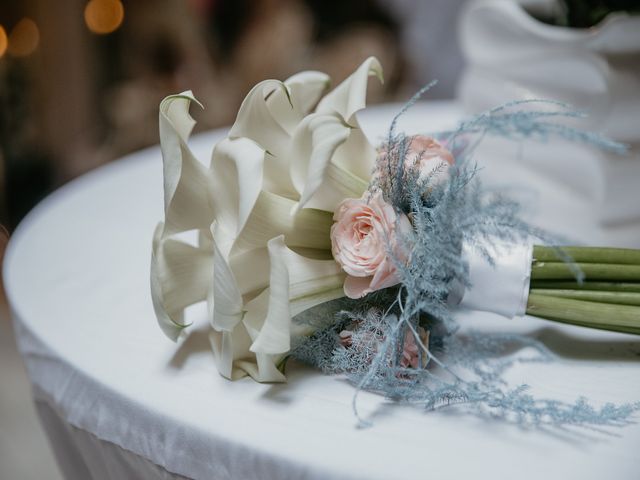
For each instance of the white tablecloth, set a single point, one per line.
(118, 400)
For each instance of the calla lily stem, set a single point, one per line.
(608, 298)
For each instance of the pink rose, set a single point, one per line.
(427, 155)
(361, 237)
(430, 158)
(411, 350)
(411, 356)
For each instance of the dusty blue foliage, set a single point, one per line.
(461, 369)
(453, 367)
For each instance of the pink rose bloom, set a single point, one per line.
(345, 338)
(427, 155)
(411, 350)
(361, 237)
(411, 356)
(430, 158)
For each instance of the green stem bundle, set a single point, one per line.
(608, 298)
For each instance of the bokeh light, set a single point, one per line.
(103, 16)
(3, 41)
(24, 38)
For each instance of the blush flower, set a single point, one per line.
(431, 159)
(365, 340)
(362, 238)
(411, 357)
(425, 155)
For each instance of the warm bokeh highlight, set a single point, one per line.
(3, 41)
(104, 16)
(24, 38)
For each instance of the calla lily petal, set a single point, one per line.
(356, 156)
(273, 215)
(186, 181)
(338, 183)
(180, 276)
(234, 359)
(321, 181)
(304, 91)
(264, 369)
(313, 144)
(274, 336)
(227, 298)
(229, 348)
(293, 277)
(251, 270)
(350, 96)
(256, 122)
(236, 167)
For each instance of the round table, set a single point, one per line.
(119, 400)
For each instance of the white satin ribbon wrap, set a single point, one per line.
(502, 288)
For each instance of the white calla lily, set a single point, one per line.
(186, 180)
(263, 211)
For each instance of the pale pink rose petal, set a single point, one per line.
(357, 287)
(362, 237)
(346, 338)
(429, 157)
(428, 148)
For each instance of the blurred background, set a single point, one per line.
(81, 81)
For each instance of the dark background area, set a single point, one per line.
(81, 80)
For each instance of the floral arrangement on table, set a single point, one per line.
(315, 245)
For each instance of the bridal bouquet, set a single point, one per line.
(315, 244)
